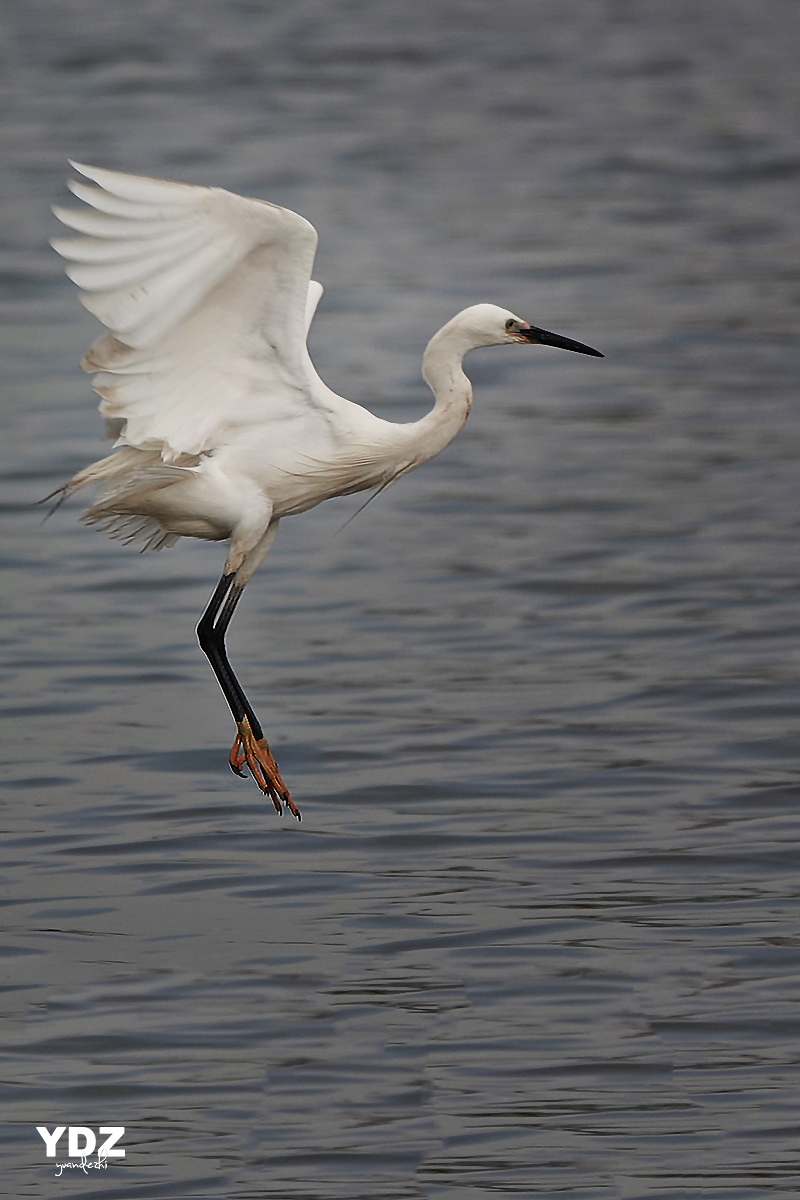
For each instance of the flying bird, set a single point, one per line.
(222, 426)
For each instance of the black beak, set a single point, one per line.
(541, 337)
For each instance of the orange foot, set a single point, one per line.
(254, 752)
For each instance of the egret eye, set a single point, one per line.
(510, 323)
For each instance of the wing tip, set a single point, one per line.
(63, 215)
(140, 189)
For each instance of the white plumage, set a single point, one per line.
(222, 424)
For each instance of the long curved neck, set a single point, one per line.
(452, 391)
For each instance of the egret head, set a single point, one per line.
(489, 325)
(521, 331)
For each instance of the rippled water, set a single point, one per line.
(538, 933)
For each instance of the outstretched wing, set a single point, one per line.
(206, 296)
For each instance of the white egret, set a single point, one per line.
(221, 422)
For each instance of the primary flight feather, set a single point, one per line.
(222, 424)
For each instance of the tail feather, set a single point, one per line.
(130, 527)
(126, 478)
(115, 466)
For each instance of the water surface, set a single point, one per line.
(537, 934)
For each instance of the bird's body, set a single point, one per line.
(222, 424)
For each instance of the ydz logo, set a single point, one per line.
(82, 1141)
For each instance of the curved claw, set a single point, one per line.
(255, 753)
(236, 758)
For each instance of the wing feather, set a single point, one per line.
(139, 188)
(151, 259)
(149, 223)
(107, 203)
(205, 295)
(116, 249)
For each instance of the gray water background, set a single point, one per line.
(538, 933)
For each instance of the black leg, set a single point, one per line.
(211, 636)
(250, 746)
